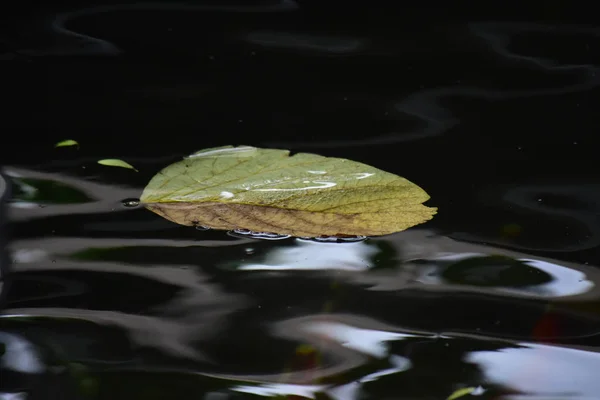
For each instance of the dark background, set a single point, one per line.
(491, 107)
(135, 81)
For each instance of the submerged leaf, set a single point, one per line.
(66, 143)
(112, 162)
(266, 190)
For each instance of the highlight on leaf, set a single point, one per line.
(267, 190)
(67, 143)
(113, 162)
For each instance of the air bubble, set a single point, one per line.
(325, 239)
(337, 239)
(246, 233)
(357, 238)
(130, 202)
(196, 224)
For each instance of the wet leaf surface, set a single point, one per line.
(266, 190)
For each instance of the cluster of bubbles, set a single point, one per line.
(246, 233)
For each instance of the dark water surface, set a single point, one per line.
(495, 117)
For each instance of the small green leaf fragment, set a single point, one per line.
(113, 162)
(460, 393)
(66, 143)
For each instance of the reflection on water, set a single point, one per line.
(526, 277)
(4, 258)
(309, 255)
(430, 109)
(306, 42)
(93, 305)
(67, 41)
(568, 213)
(542, 365)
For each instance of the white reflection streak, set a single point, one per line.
(565, 282)
(13, 396)
(20, 355)
(541, 369)
(345, 392)
(239, 151)
(277, 389)
(399, 364)
(324, 184)
(363, 175)
(24, 205)
(318, 256)
(350, 390)
(366, 341)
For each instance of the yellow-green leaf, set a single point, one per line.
(267, 190)
(66, 143)
(113, 162)
(460, 393)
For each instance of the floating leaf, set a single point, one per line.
(113, 162)
(66, 143)
(461, 392)
(267, 190)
